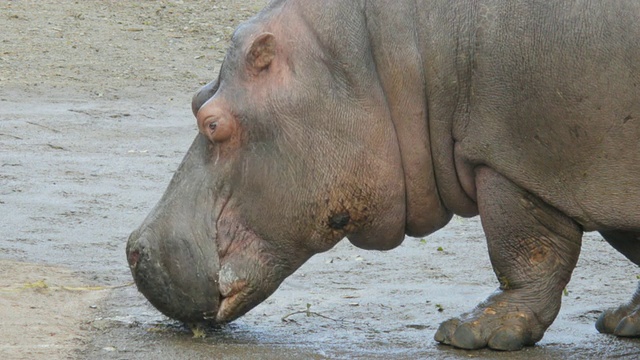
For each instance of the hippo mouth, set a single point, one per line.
(241, 285)
(231, 299)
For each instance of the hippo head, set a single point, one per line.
(295, 151)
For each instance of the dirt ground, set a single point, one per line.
(95, 117)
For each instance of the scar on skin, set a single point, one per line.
(539, 255)
(489, 311)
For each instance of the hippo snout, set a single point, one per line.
(175, 276)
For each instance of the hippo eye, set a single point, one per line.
(213, 125)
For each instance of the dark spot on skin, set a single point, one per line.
(629, 117)
(339, 221)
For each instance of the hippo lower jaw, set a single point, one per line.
(243, 284)
(232, 291)
(231, 301)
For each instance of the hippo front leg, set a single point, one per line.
(533, 249)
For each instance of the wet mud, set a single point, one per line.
(88, 143)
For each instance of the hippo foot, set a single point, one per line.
(623, 321)
(498, 323)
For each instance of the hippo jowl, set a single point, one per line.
(373, 120)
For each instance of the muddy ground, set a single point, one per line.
(95, 117)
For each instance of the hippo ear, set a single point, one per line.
(261, 52)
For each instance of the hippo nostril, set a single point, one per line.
(133, 258)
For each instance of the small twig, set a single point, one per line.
(95, 288)
(56, 147)
(41, 284)
(11, 136)
(43, 126)
(308, 312)
(81, 112)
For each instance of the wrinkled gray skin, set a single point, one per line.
(375, 119)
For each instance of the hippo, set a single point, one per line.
(373, 120)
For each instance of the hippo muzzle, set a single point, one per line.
(173, 255)
(192, 258)
(176, 275)
(190, 279)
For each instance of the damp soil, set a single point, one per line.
(95, 117)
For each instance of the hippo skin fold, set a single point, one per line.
(375, 119)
